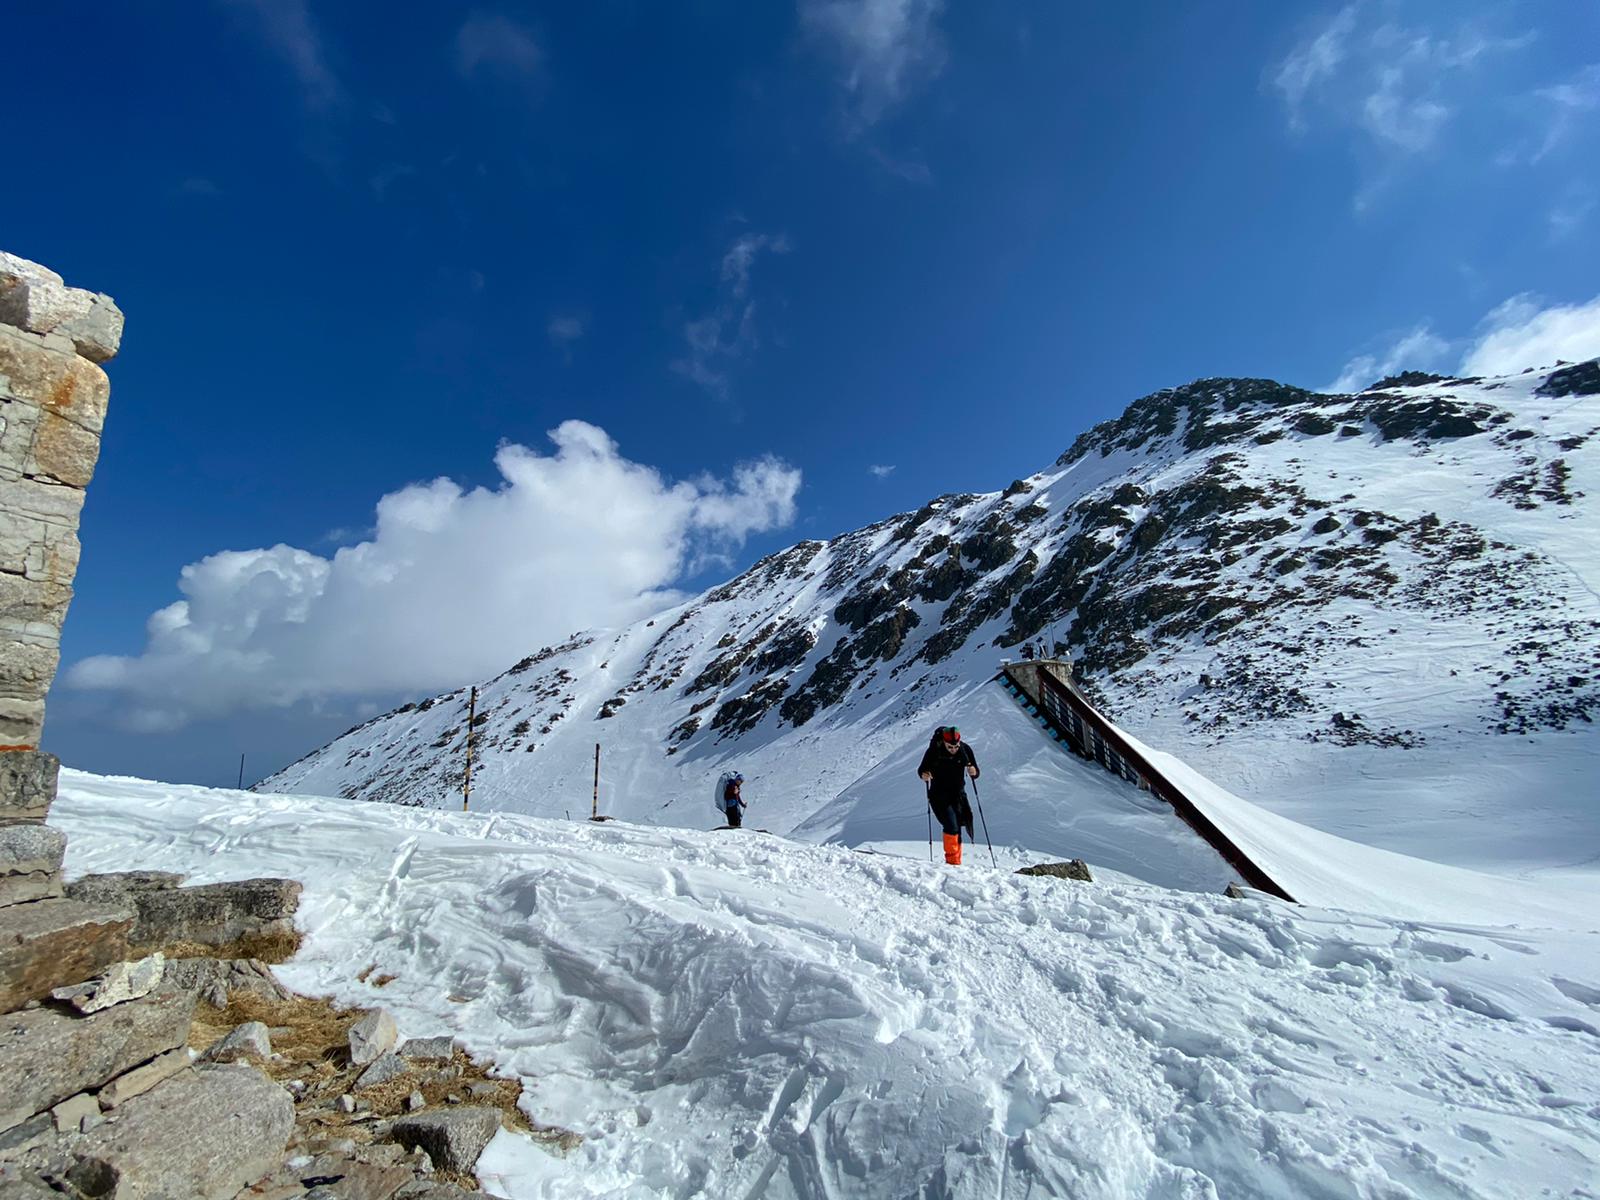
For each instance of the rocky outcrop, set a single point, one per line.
(242, 915)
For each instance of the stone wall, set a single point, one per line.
(53, 396)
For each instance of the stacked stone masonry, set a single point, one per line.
(101, 1094)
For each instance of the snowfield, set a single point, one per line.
(741, 1015)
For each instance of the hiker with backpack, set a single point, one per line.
(731, 802)
(945, 768)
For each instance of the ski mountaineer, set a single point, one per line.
(945, 768)
(733, 803)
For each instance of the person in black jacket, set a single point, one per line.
(945, 768)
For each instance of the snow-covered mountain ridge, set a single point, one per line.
(1377, 613)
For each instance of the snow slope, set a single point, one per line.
(1377, 614)
(744, 1016)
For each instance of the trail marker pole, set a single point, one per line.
(594, 814)
(981, 817)
(472, 722)
(241, 772)
(930, 822)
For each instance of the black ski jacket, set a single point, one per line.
(949, 771)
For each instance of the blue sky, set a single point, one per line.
(774, 270)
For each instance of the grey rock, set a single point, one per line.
(121, 982)
(345, 1103)
(141, 1079)
(429, 1189)
(372, 1036)
(50, 943)
(119, 887)
(97, 333)
(202, 1135)
(69, 1114)
(34, 1131)
(27, 784)
(1075, 869)
(479, 1089)
(213, 914)
(214, 980)
(352, 1179)
(30, 862)
(27, 1188)
(241, 1044)
(453, 1138)
(431, 1049)
(50, 1055)
(390, 1066)
(415, 1101)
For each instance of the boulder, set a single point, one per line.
(1074, 869)
(217, 914)
(51, 1055)
(30, 862)
(121, 981)
(27, 784)
(432, 1049)
(382, 1070)
(373, 1036)
(202, 1135)
(242, 1043)
(141, 1079)
(453, 1138)
(215, 979)
(49, 943)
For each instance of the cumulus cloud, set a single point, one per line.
(727, 333)
(883, 47)
(1419, 350)
(492, 40)
(453, 584)
(1523, 332)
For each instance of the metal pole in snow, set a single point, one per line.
(241, 772)
(594, 813)
(472, 720)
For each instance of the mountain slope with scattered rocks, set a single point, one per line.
(1377, 613)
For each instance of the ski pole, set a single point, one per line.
(930, 822)
(985, 823)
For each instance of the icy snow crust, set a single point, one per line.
(1420, 676)
(742, 1015)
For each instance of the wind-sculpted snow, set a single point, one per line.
(739, 1015)
(1379, 614)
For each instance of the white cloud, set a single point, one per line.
(451, 585)
(564, 329)
(1313, 62)
(1401, 89)
(1570, 213)
(496, 41)
(882, 472)
(728, 332)
(741, 256)
(885, 47)
(288, 27)
(1524, 333)
(1419, 350)
(1568, 104)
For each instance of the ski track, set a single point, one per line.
(747, 1016)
